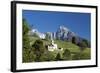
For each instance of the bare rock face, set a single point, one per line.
(36, 32)
(62, 33)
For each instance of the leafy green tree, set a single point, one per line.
(26, 42)
(28, 54)
(67, 55)
(25, 27)
(39, 49)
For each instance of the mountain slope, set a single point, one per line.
(62, 33)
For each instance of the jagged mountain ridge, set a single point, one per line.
(62, 33)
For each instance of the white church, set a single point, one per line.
(52, 46)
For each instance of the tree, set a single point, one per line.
(39, 49)
(66, 54)
(82, 45)
(50, 56)
(26, 42)
(86, 42)
(47, 56)
(73, 40)
(28, 54)
(25, 27)
(58, 57)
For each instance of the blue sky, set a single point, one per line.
(49, 21)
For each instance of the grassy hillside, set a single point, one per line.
(76, 53)
(68, 45)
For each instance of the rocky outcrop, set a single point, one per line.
(62, 33)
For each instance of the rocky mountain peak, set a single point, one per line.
(62, 33)
(63, 28)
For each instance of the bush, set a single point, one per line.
(39, 49)
(87, 43)
(28, 55)
(82, 45)
(25, 27)
(26, 42)
(48, 56)
(66, 54)
(58, 57)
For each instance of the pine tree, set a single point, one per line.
(73, 40)
(66, 54)
(58, 57)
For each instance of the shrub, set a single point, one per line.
(66, 54)
(28, 55)
(39, 49)
(50, 56)
(25, 27)
(26, 42)
(86, 42)
(58, 57)
(47, 56)
(82, 45)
